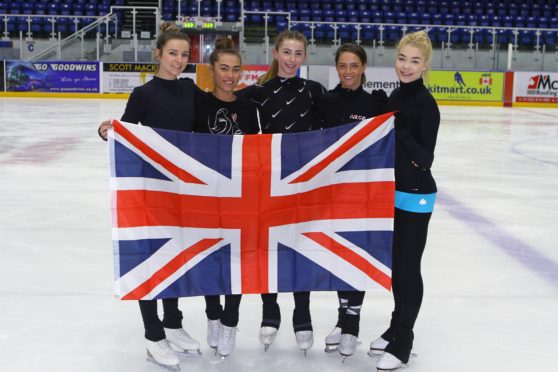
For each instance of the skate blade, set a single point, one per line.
(169, 368)
(331, 348)
(392, 369)
(186, 352)
(375, 352)
(266, 346)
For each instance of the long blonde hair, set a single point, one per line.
(421, 41)
(274, 68)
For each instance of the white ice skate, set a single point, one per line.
(332, 340)
(213, 329)
(267, 336)
(304, 340)
(180, 341)
(348, 345)
(377, 347)
(227, 341)
(389, 362)
(161, 354)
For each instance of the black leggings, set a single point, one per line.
(301, 314)
(348, 319)
(409, 240)
(154, 328)
(228, 315)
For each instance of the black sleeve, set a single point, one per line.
(421, 150)
(249, 92)
(135, 107)
(380, 96)
(318, 114)
(317, 90)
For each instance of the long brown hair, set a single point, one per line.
(358, 51)
(274, 68)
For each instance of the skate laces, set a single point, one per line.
(228, 332)
(214, 326)
(163, 346)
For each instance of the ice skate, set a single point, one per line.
(304, 340)
(332, 340)
(389, 362)
(161, 354)
(267, 336)
(377, 347)
(213, 329)
(348, 345)
(227, 341)
(182, 342)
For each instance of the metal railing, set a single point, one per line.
(79, 33)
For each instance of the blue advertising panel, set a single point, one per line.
(55, 77)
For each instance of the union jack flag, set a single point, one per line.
(201, 214)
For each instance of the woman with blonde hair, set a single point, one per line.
(416, 130)
(286, 104)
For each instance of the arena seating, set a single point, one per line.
(531, 14)
(91, 8)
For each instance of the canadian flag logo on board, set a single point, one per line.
(534, 82)
(485, 79)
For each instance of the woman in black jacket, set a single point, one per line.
(164, 102)
(348, 102)
(416, 131)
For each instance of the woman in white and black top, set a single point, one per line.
(286, 104)
(222, 112)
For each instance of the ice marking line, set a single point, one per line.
(522, 252)
(538, 112)
(515, 150)
(42, 152)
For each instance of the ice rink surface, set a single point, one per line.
(490, 266)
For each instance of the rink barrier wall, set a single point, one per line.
(76, 79)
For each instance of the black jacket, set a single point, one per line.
(416, 130)
(342, 106)
(160, 103)
(286, 105)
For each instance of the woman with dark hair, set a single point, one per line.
(164, 102)
(348, 102)
(222, 112)
(286, 103)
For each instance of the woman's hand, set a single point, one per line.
(103, 129)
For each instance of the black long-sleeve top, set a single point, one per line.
(342, 106)
(160, 103)
(286, 105)
(219, 117)
(416, 134)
